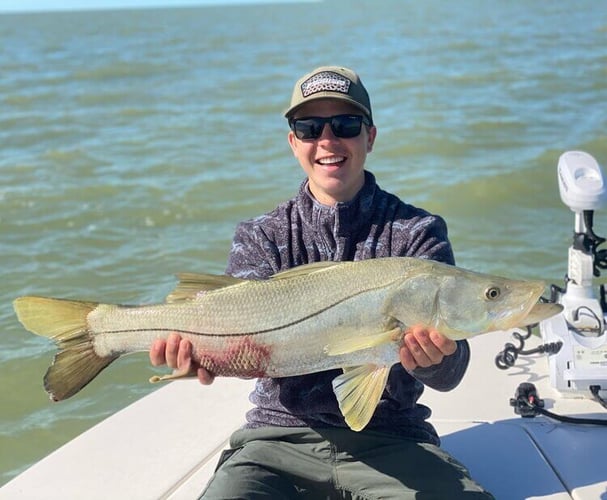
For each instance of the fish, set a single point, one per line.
(311, 318)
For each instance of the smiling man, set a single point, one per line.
(333, 157)
(295, 442)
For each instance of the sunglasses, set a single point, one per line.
(343, 126)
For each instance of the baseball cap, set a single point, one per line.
(335, 82)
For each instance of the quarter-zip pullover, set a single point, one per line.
(301, 231)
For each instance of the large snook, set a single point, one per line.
(312, 318)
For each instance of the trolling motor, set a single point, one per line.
(580, 365)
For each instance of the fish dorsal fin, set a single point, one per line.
(358, 391)
(191, 284)
(303, 270)
(352, 344)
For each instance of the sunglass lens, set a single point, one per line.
(346, 126)
(309, 128)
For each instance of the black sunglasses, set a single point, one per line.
(344, 126)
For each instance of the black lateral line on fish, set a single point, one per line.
(242, 334)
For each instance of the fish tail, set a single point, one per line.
(64, 321)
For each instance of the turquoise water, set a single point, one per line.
(134, 141)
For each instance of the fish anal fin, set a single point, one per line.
(358, 391)
(358, 343)
(192, 284)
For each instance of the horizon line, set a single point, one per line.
(142, 6)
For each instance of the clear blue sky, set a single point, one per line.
(38, 5)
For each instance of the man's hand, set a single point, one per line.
(176, 353)
(423, 347)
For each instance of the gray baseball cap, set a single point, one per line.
(334, 82)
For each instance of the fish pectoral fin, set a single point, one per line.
(358, 391)
(352, 344)
(192, 284)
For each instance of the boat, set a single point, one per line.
(529, 419)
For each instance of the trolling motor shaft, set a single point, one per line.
(582, 189)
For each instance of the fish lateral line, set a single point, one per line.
(241, 334)
(179, 330)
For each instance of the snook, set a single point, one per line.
(311, 318)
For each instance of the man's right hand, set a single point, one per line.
(176, 353)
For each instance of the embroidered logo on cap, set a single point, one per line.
(323, 81)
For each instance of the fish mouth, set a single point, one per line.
(539, 312)
(513, 317)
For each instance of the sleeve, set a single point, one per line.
(252, 255)
(449, 373)
(427, 237)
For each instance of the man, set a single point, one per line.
(295, 443)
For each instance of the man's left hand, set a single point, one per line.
(423, 347)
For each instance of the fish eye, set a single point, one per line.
(492, 293)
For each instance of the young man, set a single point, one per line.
(296, 443)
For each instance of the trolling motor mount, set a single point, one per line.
(581, 363)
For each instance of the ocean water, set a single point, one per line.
(132, 142)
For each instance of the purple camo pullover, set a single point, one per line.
(374, 224)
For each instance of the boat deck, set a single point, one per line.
(165, 445)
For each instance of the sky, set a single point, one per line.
(46, 5)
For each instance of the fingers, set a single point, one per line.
(423, 347)
(165, 352)
(176, 353)
(157, 357)
(204, 376)
(181, 352)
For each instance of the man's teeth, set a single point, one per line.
(331, 160)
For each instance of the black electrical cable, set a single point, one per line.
(564, 418)
(507, 357)
(528, 404)
(595, 389)
(589, 312)
(591, 242)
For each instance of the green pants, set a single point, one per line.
(284, 463)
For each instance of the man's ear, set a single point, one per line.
(372, 133)
(292, 141)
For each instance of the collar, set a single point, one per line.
(344, 217)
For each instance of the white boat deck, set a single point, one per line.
(165, 445)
